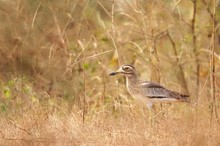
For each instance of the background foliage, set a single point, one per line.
(56, 56)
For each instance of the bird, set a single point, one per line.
(148, 91)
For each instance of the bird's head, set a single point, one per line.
(126, 70)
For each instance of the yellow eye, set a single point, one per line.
(126, 68)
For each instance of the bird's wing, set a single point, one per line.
(155, 90)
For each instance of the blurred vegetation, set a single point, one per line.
(58, 54)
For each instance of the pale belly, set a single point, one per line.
(141, 98)
(153, 100)
(162, 100)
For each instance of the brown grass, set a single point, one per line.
(129, 125)
(56, 55)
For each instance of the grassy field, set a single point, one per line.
(55, 60)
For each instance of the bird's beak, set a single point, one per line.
(113, 73)
(116, 72)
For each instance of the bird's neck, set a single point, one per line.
(132, 81)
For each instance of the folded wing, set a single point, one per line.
(155, 90)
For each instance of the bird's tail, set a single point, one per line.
(182, 97)
(185, 98)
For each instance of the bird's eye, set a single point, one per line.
(125, 68)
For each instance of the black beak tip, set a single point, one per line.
(112, 74)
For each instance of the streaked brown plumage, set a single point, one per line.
(148, 91)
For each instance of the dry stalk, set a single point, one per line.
(113, 32)
(84, 80)
(176, 6)
(195, 49)
(35, 15)
(150, 45)
(183, 80)
(84, 88)
(212, 68)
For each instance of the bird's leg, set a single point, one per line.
(150, 105)
(152, 110)
(162, 111)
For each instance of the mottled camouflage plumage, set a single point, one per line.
(148, 91)
(155, 90)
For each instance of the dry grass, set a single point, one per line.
(179, 125)
(56, 55)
